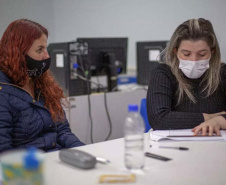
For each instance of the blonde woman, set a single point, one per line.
(188, 90)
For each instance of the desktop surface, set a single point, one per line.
(203, 164)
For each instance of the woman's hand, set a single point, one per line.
(211, 126)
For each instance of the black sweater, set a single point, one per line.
(162, 99)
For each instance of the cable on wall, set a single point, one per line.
(89, 102)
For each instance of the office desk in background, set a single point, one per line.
(117, 103)
(203, 164)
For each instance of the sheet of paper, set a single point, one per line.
(59, 60)
(154, 54)
(160, 135)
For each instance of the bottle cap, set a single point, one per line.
(133, 108)
(75, 65)
(30, 160)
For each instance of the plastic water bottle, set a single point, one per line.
(134, 139)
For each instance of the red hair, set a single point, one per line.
(14, 45)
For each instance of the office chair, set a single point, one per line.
(143, 112)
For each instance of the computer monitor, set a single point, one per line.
(107, 56)
(148, 57)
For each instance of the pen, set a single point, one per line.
(173, 147)
(102, 160)
(159, 157)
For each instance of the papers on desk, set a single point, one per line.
(184, 135)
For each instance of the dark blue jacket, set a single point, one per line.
(25, 122)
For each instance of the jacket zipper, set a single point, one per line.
(21, 89)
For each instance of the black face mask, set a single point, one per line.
(37, 67)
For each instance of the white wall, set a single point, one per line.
(40, 11)
(139, 20)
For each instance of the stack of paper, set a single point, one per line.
(184, 135)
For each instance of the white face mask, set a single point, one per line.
(194, 69)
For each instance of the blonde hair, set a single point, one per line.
(194, 29)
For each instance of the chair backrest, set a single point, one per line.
(143, 112)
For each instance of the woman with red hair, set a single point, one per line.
(31, 112)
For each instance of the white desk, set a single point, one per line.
(203, 164)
